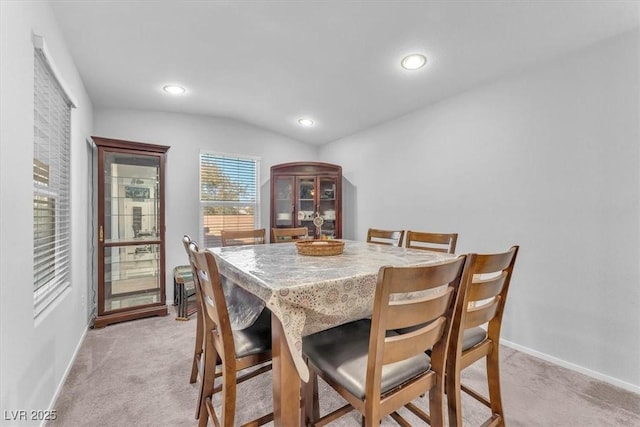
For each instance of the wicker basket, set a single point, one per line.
(320, 247)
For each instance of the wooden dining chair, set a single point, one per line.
(438, 242)
(236, 350)
(243, 237)
(378, 370)
(283, 235)
(197, 365)
(197, 353)
(483, 294)
(385, 237)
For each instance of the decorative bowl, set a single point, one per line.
(320, 247)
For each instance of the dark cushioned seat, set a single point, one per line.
(347, 364)
(256, 338)
(472, 337)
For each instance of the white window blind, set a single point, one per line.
(229, 195)
(51, 182)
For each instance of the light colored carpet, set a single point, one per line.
(137, 374)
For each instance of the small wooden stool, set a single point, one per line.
(183, 289)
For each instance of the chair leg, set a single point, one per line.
(203, 420)
(436, 403)
(364, 422)
(194, 368)
(454, 399)
(202, 412)
(207, 383)
(493, 379)
(371, 416)
(228, 394)
(310, 403)
(197, 352)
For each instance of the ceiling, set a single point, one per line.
(269, 63)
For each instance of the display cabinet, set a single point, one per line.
(307, 194)
(130, 231)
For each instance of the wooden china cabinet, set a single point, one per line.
(130, 230)
(302, 192)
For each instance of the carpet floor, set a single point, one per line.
(137, 374)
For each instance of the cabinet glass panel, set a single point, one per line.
(284, 202)
(131, 276)
(131, 198)
(327, 206)
(306, 202)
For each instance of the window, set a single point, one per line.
(229, 195)
(51, 183)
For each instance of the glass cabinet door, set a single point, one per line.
(327, 206)
(284, 205)
(306, 203)
(131, 224)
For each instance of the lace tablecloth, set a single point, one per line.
(309, 294)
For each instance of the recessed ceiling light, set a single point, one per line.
(174, 89)
(306, 122)
(413, 61)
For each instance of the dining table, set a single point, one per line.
(308, 294)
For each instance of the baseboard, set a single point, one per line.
(588, 372)
(52, 405)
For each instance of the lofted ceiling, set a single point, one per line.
(269, 63)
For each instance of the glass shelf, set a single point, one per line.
(151, 181)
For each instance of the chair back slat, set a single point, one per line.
(404, 346)
(487, 264)
(385, 237)
(283, 235)
(403, 314)
(486, 288)
(243, 237)
(407, 280)
(437, 242)
(482, 314)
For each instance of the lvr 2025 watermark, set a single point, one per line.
(30, 415)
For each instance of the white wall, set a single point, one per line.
(548, 160)
(187, 135)
(35, 354)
